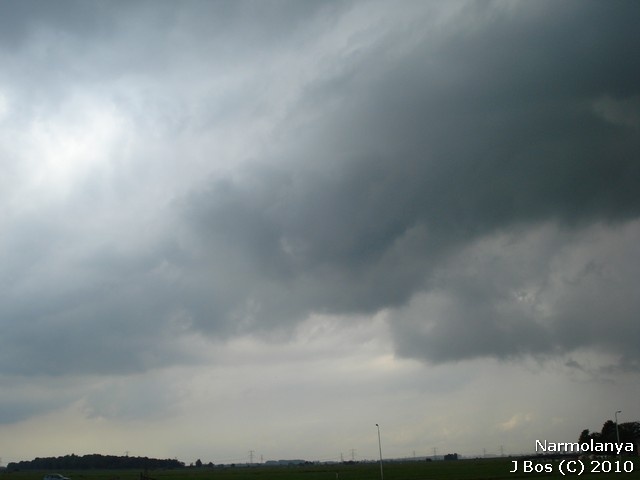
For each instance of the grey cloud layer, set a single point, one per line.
(432, 157)
(354, 181)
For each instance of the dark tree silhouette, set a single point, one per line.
(93, 461)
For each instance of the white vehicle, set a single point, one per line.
(55, 476)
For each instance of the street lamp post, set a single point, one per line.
(617, 433)
(380, 447)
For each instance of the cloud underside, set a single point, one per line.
(476, 180)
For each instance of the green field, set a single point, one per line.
(454, 470)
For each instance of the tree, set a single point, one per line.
(629, 431)
(608, 433)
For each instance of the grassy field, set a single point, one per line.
(455, 470)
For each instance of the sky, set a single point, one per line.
(267, 226)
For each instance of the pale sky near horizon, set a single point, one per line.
(269, 225)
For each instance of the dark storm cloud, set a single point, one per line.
(103, 312)
(540, 291)
(388, 156)
(488, 128)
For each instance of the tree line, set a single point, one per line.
(628, 432)
(94, 461)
